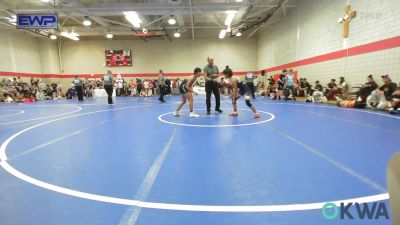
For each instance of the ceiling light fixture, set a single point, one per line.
(230, 17)
(133, 18)
(172, 21)
(177, 34)
(222, 34)
(87, 22)
(109, 35)
(238, 34)
(13, 20)
(73, 36)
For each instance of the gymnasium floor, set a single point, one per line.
(65, 162)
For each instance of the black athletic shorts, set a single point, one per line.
(182, 89)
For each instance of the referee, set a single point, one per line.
(78, 83)
(212, 85)
(250, 83)
(109, 85)
(161, 86)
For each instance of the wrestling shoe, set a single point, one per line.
(193, 115)
(394, 111)
(177, 113)
(234, 114)
(218, 110)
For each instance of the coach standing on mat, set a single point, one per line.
(109, 85)
(78, 83)
(212, 85)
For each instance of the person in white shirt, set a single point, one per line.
(343, 88)
(120, 85)
(146, 87)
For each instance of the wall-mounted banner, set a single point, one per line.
(37, 21)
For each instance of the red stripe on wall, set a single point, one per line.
(358, 50)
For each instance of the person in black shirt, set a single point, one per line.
(318, 86)
(317, 95)
(394, 103)
(388, 87)
(304, 87)
(280, 85)
(366, 89)
(168, 86)
(380, 98)
(330, 91)
(78, 83)
(212, 85)
(271, 83)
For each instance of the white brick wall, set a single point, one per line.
(319, 33)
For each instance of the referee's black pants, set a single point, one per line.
(252, 89)
(109, 89)
(212, 87)
(162, 92)
(79, 92)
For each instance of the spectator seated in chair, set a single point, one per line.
(342, 91)
(394, 103)
(317, 95)
(379, 99)
(304, 88)
(366, 89)
(330, 91)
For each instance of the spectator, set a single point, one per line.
(120, 85)
(39, 95)
(317, 86)
(394, 103)
(139, 86)
(132, 86)
(316, 94)
(271, 83)
(151, 87)
(167, 86)
(380, 97)
(146, 87)
(280, 85)
(290, 90)
(366, 89)
(54, 90)
(8, 98)
(330, 91)
(304, 87)
(343, 89)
